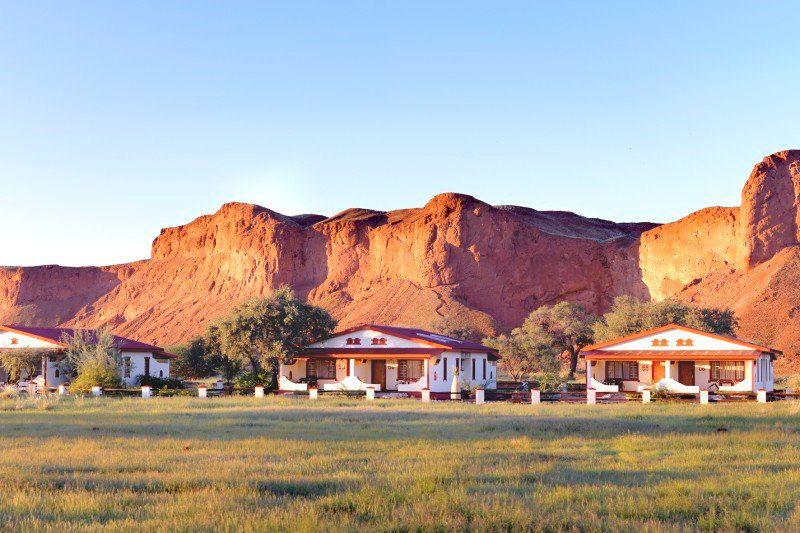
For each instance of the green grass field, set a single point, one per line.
(294, 464)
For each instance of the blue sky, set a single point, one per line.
(118, 119)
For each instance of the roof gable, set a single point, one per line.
(53, 337)
(378, 336)
(674, 337)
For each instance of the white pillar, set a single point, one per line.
(312, 394)
(97, 391)
(370, 393)
(146, 391)
(591, 397)
(426, 395)
(536, 396)
(480, 396)
(202, 392)
(588, 374)
(259, 392)
(219, 384)
(351, 367)
(62, 390)
(704, 397)
(645, 396)
(667, 369)
(761, 396)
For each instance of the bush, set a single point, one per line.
(160, 383)
(93, 375)
(93, 358)
(253, 379)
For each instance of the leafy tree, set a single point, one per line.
(262, 332)
(195, 359)
(565, 328)
(446, 325)
(524, 355)
(22, 361)
(629, 315)
(93, 358)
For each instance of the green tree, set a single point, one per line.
(446, 325)
(564, 327)
(261, 332)
(93, 358)
(524, 355)
(629, 315)
(21, 361)
(195, 359)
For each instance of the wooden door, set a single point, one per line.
(686, 372)
(658, 371)
(379, 373)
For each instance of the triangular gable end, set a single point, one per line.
(368, 338)
(675, 337)
(10, 339)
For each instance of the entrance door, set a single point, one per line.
(379, 373)
(686, 372)
(658, 371)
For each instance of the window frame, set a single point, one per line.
(720, 371)
(622, 370)
(328, 362)
(403, 369)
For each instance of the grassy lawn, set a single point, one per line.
(278, 463)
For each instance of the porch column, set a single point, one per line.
(667, 369)
(351, 367)
(752, 366)
(588, 374)
(44, 371)
(426, 365)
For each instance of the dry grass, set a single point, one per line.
(276, 463)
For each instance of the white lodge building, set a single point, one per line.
(391, 358)
(138, 358)
(679, 359)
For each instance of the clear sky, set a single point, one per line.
(118, 119)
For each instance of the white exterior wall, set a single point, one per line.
(699, 342)
(443, 383)
(366, 336)
(157, 369)
(23, 341)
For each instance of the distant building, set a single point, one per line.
(138, 358)
(391, 358)
(679, 359)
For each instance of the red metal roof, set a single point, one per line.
(55, 335)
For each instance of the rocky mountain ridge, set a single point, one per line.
(455, 256)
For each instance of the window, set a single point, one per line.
(379, 341)
(353, 341)
(409, 370)
(14, 340)
(146, 366)
(58, 374)
(321, 368)
(444, 371)
(161, 373)
(732, 371)
(126, 367)
(624, 370)
(484, 369)
(473, 370)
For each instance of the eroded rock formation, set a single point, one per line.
(456, 256)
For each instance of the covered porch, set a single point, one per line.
(674, 374)
(398, 372)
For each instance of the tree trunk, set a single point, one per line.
(276, 367)
(573, 362)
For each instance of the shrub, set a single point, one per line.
(94, 360)
(22, 361)
(253, 379)
(160, 383)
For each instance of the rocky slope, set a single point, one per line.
(456, 257)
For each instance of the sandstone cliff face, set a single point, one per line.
(456, 256)
(770, 209)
